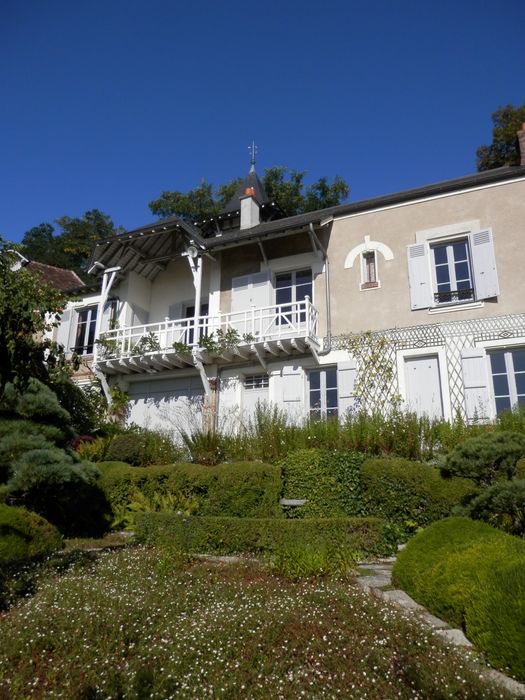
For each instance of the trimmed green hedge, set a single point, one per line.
(329, 480)
(473, 576)
(369, 536)
(242, 489)
(411, 494)
(24, 534)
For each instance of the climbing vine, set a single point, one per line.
(376, 370)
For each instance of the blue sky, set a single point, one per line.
(107, 103)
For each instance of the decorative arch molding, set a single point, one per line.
(367, 247)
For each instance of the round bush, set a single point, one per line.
(126, 448)
(24, 534)
(503, 506)
(410, 494)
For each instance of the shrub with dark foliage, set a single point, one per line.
(502, 506)
(486, 458)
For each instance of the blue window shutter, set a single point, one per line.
(484, 264)
(421, 295)
(346, 376)
(476, 384)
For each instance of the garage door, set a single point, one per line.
(169, 404)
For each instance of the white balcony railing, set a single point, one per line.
(255, 325)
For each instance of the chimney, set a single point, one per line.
(521, 139)
(249, 209)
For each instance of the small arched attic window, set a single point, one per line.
(367, 253)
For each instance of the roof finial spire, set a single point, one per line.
(253, 153)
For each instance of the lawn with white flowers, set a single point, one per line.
(139, 623)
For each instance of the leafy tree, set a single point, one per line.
(72, 246)
(28, 309)
(504, 149)
(283, 186)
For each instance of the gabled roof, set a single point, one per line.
(148, 249)
(56, 277)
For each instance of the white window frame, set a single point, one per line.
(487, 346)
(366, 283)
(410, 353)
(80, 349)
(322, 388)
(359, 252)
(448, 245)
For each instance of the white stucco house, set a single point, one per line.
(217, 315)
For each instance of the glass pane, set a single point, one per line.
(460, 251)
(442, 275)
(520, 383)
(462, 272)
(331, 398)
(303, 276)
(283, 296)
(518, 360)
(315, 380)
(497, 362)
(331, 378)
(521, 400)
(315, 399)
(305, 290)
(284, 280)
(331, 413)
(440, 255)
(315, 414)
(502, 404)
(501, 385)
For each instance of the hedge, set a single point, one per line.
(411, 494)
(242, 489)
(368, 536)
(473, 576)
(24, 534)
(329, 481)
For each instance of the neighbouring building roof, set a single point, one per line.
(57, 277)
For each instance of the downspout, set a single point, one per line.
(323, 250)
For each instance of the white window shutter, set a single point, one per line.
(261, 290)
(476, 384)
(346, 376)
(140, 317)
(106, 316)
(484, 264)
(251, 290)
(421, 295)
(64, 329)
(293, 384)
(241, 293)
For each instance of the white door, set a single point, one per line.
(255, 391)
(423, 386)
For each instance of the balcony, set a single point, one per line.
(252, 335)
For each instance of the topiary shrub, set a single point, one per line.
(24, 534)
(127, 448)
(243, 489)
(410, 494)
(64, 492)
(501, 505)
(486, 458)
(366, 536)
(466, 572)
(329, 480)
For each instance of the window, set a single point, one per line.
(85, 338)
(323, 393)
(290, 288)
(452, 272)
(256, 381)
(508, 378)
(369, 270)
(189, 313)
